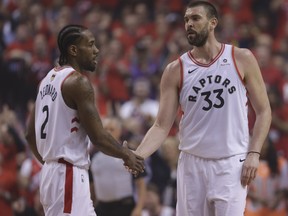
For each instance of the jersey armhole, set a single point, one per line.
(66, 78)
(61, 87)
(180, 83)
(236, 67)
(181, 76)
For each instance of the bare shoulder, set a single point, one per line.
(75, 79)
(245, 61)
(173, 66)
(242, 54)
(172, 73)
(76, 88)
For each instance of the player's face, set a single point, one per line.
(113, 127)
(197, 26)
(87, 52)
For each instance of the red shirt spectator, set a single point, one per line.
(8, 178)
(280, 121)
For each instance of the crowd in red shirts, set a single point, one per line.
(136, 39)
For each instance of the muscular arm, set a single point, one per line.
(78, 93)
(167, 111)
(31, 137)
(257, 94)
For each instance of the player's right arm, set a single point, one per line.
(78, 94)
(168, 107)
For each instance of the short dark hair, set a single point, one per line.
(210, 8)
(67, 36)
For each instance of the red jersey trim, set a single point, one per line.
(181, 76)
(66, 78)
(181, 81)
(59, 68)
(74, 129)
(68, 193)
(68, 189)
(234, 61)
(238, 72)
(75, 119)
(213, 60)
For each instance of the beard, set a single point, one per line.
(89, 66)
(199, 39)
(92, 68)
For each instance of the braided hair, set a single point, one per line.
(67, 36)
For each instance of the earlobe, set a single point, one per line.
(72, 50)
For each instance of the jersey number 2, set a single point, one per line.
(44, 110)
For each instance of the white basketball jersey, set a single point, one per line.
(59, 133)
(214, 101)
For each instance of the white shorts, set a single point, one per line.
(65, 190)
(210, 187)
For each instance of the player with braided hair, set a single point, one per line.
(66, 37)
(62, 124)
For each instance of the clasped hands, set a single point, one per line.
(133, 163)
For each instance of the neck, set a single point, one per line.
(208, 52)
(74, 66)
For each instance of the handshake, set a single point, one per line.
(133, 162)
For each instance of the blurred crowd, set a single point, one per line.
(137, 39)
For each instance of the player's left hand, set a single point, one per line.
(134, 163)
(249, 168)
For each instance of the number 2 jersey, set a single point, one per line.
(59, 133)
(214, 104)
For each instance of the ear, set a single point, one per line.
(213, 23)
(72, 50)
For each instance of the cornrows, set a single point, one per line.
(67, 36)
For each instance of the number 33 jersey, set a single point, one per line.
(59, 133)
(214, 104)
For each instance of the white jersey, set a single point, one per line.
(214, 103)
(59, 133)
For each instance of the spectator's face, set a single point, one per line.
(115, 49)
(141, 89)
(131, 23)
(263, 55)
(5, 136)
(113, 127)
(22, 33)
(40, 45)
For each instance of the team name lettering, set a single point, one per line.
(48, 90)
(198, 89)
(210, 80)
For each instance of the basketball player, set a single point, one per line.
(211, 83)
(62, 123)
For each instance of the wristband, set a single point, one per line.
(256, 152)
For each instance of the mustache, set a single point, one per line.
(191, 31)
